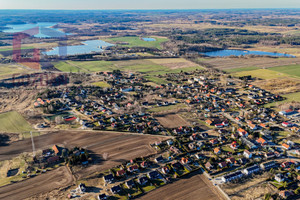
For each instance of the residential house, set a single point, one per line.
(130, 184)
(234, 145)
(251, 170)
(217, 150)
(268, 165)
(170, 142)
(176, 166)
(253, 126)
(102, 197)
(213, 141)
(222, 164)
(184, 160)
(133, 168)
(261, 141)
(108, 178)
(53, 159)
(200, 144)
(145, 164)
(165, 170)
(234, 135)
(285, 194)
(159, 159)
(242, 132)
(247, 154)
(199, 156)
(231, 160)
(209, 166)
(288, 112)
(249, 143)
(116, 189)
(142, 180)
(269, 155)
(191, 146)
(204, 135)
(286, 124)
(56, 149)
(243, 161)
(81, 188)
(286, 146)
(194, 137)
(279, 177)
(175, 150)
(232, 176)
(153, 175)
(121, 172)
(287, 164)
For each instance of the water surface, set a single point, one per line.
(40, 30)
(149, 39)
(88, 46)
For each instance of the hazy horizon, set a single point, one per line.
(149, 5)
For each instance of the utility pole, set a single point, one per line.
(33, 147)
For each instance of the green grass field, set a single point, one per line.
(84, 66)
(289, 98)
(150, 67)
(262, 74)
(269, 73)
(8, 69)
(138, 42)
(10, 49)
(166, 108)
(292, 70)
(102, 84)
(242, 69)
(13, 122)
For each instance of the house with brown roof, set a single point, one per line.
(53, 159)
(217, 150)
(133, 168)
(56, 149)
(261, 141)
(222, 164)
(286, 146)
(231, 160)
(209, 166)
(120, 172)
(242, 132)
(213, 141)
(285, 194)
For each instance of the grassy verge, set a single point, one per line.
(242, 69)
(262, 74)
(292, 70)
(289, 98)
(13, 122)
(102, 84)
(137, 41)
(166, 108)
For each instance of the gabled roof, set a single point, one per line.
(261, 140)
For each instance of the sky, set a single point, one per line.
(143, 4)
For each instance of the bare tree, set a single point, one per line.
(58, 120)
(105, 156)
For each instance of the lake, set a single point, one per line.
(40, 30)
(149, 39)
(232, 52)
(88, 46)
